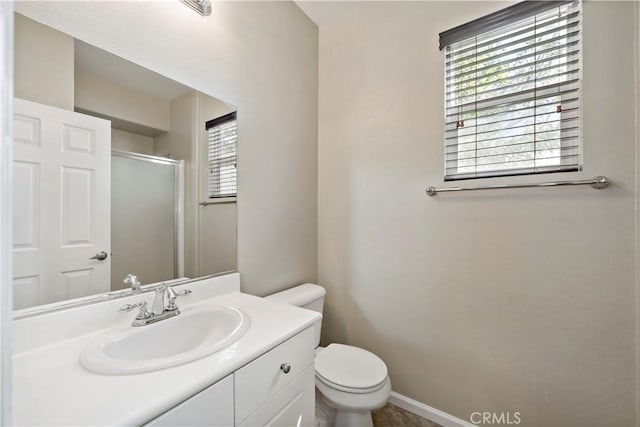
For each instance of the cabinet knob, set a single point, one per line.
(285, 367)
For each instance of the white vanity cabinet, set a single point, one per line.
(293, 406)
(277, 388)
(211, 407)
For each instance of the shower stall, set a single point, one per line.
(147, 226)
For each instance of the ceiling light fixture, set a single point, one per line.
(203, 7)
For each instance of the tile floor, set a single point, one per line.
(392, 416)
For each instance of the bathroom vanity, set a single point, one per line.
(264, 392)
(266, 376)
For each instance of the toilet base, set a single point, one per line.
(353, 419)
(328, 416)
(325, 414)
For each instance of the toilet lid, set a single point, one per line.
(350, 367)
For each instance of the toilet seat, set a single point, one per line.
(350, 369)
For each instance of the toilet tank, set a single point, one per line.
(307, 296)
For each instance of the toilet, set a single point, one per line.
(350, 381)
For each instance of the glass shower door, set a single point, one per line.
(144, 223)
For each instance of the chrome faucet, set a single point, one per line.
(132, 280)
(160, 309)
(157, 308)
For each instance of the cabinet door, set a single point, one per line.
(293, 406)
(263, 378)
(211, 407)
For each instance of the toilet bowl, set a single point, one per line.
(350, 381)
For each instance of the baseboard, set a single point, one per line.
(426, 411)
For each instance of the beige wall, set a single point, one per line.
(210, 232)
(217, 238)
(637, 230)
(43, 64)
(217, 223)
(514, 300)
(98, 95)
(261, 57)
(178, 144)
(133, 142)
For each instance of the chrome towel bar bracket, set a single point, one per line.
(598, 182)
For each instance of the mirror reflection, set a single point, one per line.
(117, 171)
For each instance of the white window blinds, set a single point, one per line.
(222, 143)
(512, 92)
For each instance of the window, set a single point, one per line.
(222, 142)
(512, 92)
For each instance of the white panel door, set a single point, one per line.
(61, 211)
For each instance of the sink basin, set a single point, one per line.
(193, 334)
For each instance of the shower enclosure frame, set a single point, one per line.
(179, 183)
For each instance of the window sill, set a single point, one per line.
(218, 201)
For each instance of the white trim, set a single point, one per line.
(6, 123)
(426, 411)
(180, 226)
(193, 186)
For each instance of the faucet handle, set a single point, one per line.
(172, 295)
(142, 314)
(132, 281)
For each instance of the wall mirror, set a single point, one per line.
(117, 170)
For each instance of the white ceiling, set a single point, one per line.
(125, 73)
(323, 12)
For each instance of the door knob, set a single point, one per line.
(285, 367)
(100, 256)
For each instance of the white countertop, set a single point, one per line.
(50, 387)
